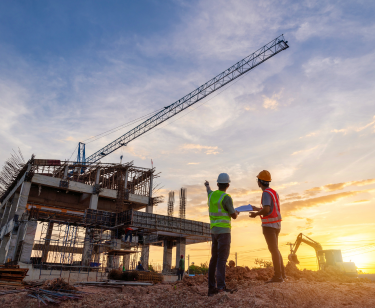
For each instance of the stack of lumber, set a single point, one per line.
(12, 275)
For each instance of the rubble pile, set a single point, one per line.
(57, 284)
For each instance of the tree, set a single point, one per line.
(263, 263)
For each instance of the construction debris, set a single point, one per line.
(57, 284)
(46, 296)
(12, 275)
(135, 276)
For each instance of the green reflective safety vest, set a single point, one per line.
(219, 217)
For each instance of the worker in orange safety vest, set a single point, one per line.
(271, 223)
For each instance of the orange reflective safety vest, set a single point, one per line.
(275, 215)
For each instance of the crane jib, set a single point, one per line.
(241, 67)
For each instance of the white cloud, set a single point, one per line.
(209, 150)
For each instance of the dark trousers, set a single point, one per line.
(129, 234)
(272, 238)
(180, 274)
(219, 256)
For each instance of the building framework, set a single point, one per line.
(61, 217)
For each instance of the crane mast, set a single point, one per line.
(241, 67)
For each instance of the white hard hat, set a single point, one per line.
(223, 178)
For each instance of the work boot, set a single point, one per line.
(212, 291)
(227, 290)
(275, 279)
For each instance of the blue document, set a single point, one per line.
(244, 208)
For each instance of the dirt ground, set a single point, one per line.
(302, 289)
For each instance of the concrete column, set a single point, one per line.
(66, 169)
(149, 207)
(95, 197)
(12, 242)
(145, 253)
(87, 249)
(11, 247)
(4, 248)
(180, 249)
(167, 256)
(47, 242)
(114, 261)
(126, 262)
(5, 216)
(20, 236)
(22, 200)
(28, 241)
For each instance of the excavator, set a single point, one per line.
(326, 258)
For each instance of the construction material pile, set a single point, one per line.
(12, 275)
(135, 276)
(58, 284)
(53, 297)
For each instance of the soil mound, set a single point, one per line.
(331, 274)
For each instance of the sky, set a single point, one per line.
(72, 70)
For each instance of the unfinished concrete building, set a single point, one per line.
(70, 219)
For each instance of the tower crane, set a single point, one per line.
(240, 68)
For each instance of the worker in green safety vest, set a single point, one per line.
(221, 211)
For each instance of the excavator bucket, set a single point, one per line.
(293, 258)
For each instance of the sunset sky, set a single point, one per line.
(71, 70)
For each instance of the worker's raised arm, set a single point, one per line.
(207, 186)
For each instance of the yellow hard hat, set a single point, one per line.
(264, 176)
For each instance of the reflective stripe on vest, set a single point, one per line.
(275, 216)
(219, 217)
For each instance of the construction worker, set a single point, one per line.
(181, 268)
(139, 266)
(271, 223)
(221, 211)
(128, 233)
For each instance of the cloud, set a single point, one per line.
(193, 163)
(360, 201)
(308, 135)
(312, 202)
(303, 151)
(355, 129)
(209, 150)
(289, 207)
(272, 102)
(337, 186)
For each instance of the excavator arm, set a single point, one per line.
(301, 238)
